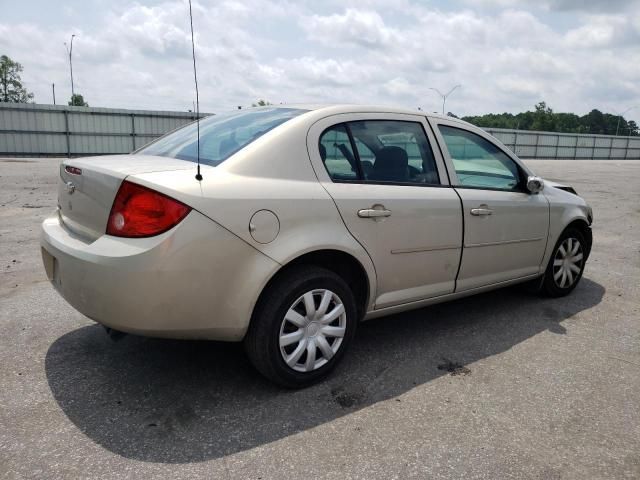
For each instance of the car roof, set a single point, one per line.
(337, 108)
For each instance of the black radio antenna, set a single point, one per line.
(195, 79)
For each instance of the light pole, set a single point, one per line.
(621, 114)
(70, 52)
(444, 95)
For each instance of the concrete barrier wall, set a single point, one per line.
(56, 130)
(530, 144)
(33, 130)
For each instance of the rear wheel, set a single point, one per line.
(302, 326)
(566, 264)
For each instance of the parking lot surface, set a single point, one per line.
(501, 385)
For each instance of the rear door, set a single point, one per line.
(505, 226)
(392, 192)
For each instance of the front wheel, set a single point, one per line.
(302, 326)
(566, 264)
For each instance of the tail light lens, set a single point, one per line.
(138, 211)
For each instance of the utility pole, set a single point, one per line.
(70, 53)
(53, 88)
(621, 114)
(444, 95)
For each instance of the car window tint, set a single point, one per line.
(394, 151)
(220, 136)
(478, 162)
(337, 155)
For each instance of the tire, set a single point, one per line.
(566, 264)
(282, 317)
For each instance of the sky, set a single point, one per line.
(507, 55)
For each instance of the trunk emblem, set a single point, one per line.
(70, 188)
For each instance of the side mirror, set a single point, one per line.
(535, 184)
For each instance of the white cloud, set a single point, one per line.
(559, 5)
(363, 28)
(507, 58)
(606, 31)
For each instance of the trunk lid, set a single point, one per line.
(88, 186)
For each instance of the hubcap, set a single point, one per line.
(567, 263)
(312, 330)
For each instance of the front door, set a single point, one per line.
(505, 226)
(393, 195)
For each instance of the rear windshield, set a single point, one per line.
(220, 135)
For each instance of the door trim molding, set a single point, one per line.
(504, 242)
(425, 249)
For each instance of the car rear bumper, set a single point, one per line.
(195, 281)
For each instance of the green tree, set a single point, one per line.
(77, 100)
(595, 122)
(567, 122)
(11, 88)
(261, 103)
(543, 118)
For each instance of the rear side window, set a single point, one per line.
(478, 162)
(220, 135)
(337, 154)
(386, 151)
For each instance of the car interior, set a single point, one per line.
(480, 163)
(386, 154)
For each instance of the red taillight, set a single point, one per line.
(73, 170)
(138, 211)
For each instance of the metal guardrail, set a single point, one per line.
(57, 130)
(550, 145)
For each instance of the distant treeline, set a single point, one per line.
(546, 120)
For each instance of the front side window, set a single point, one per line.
(385, 151)
(220, 135)
(478, 162)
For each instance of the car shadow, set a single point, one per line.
(187, 401)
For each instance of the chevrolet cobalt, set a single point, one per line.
(306, 221)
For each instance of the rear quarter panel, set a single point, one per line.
(274, 173)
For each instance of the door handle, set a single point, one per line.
(374, 213)
(482, 210)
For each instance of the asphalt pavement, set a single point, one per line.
(496, 386)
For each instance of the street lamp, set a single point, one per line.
(621, 114)
(70, 52)
(444, 95)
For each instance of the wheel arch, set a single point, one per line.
(582, 225)
(342, 263)
(559, 224)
